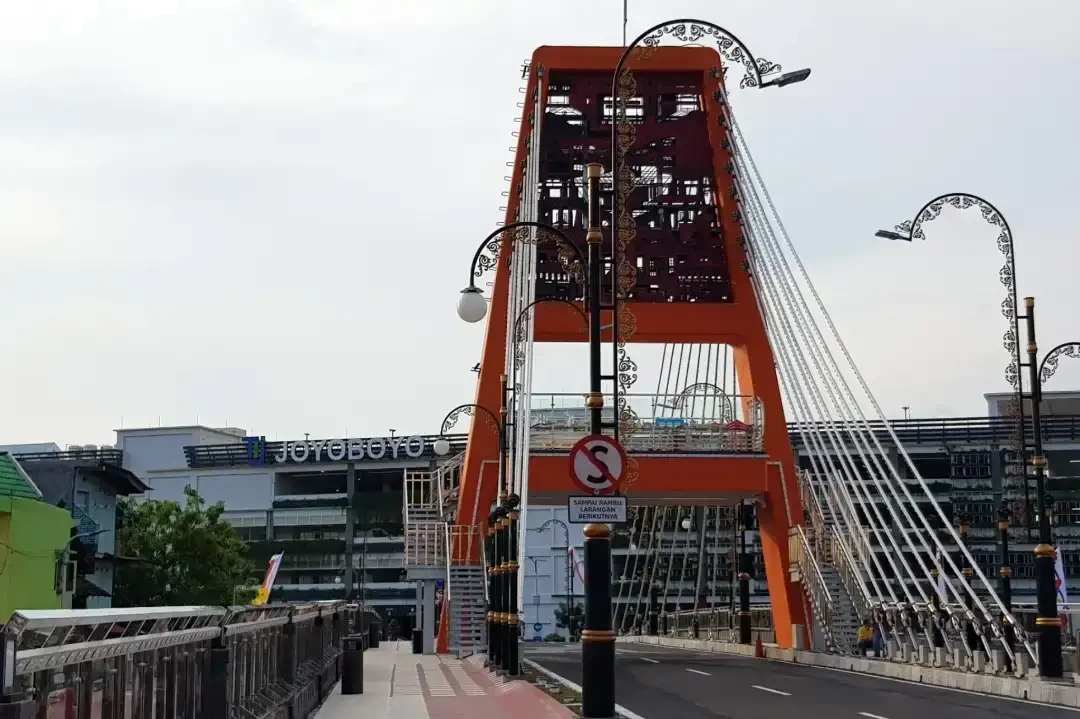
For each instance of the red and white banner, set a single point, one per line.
(268, 581)
(578, 570)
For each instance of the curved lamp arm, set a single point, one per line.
(1049, 364)
(453, 415)
(493, 241)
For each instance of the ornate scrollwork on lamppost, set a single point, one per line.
(472, 307)
(520, 328)
(1049, 364)
(913, 230)
(469, 410)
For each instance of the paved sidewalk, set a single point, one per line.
(403, 685)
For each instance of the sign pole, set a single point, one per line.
(597, 639)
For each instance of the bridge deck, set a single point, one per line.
(403, 685)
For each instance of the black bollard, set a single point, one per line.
(418, 640)
(352, 669)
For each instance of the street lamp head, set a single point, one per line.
(787, 78)
(442, 446)
(471, 306)
(890, 235)
(686, 523)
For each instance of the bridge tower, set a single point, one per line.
(680, 275)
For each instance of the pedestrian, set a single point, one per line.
(879, 642)
(865, 639)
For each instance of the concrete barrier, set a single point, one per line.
(1060, 693)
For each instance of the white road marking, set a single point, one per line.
(771, 691)
(871, 716)
(650, 661)
(695, 671)
(928, 687)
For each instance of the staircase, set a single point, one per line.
(827, 573)
(844, 627)
(468, 610)
(435, 548)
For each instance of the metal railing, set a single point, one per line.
(448, 481)
(718, 624)
(802, 556)
(702, 422)
(425, 532)
(269, 662)
(108, 455)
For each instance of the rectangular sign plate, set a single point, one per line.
(607, 510)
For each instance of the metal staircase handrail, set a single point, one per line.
(820, 600)
(850, 575)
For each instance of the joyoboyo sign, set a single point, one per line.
(335, 450)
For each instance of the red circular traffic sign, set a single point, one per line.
(597, 463)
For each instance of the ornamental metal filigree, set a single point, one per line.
(467, 410)
(521, 327)
(530, 235)
(1006, 275)
(1050, 361)
(707, 391)
(729, 47)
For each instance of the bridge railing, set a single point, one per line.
(705, 422)
(268, 662)
(718, 623)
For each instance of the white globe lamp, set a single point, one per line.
(442, 447)
(686, 523)
(472, 307)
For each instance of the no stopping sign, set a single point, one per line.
(597, 463)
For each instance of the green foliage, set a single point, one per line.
(183, 555)
(571, 619)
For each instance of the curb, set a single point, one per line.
(621, 711)
(1031, 690)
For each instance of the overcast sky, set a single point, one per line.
(260, 212)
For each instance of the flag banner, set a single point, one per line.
(263, 595)
(577, 564)
(942, 595)
(1059, 579)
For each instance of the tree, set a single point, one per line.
(180, 555)
(570, 618)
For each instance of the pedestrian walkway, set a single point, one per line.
(403, 685)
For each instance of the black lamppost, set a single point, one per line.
(570, 601)
(499, 544)
(598, 638)
(969, 628)
(1005, 573)
(1048, 623)
(913, 230)
(598, 690)
(746, 569)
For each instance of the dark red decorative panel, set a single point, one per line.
(679, 248)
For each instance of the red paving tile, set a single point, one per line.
(520, 700)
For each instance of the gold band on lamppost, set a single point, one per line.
(598, 635)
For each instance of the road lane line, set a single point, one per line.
(650, 661)
(871, 716)
(695, 671)
(775, 691)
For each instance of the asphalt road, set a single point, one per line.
(662, 683)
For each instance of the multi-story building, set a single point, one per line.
(87, 481)
(333, 507)
(33, 537)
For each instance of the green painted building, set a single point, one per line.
(32, 533)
